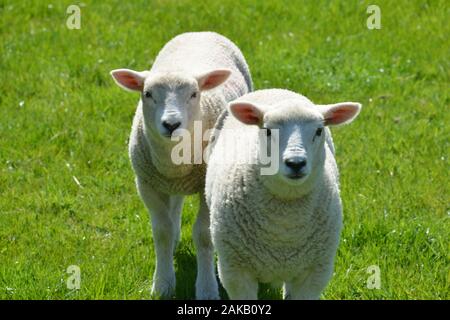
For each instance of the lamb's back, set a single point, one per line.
(197, 52)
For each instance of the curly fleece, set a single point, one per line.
(190, 53)
(260, 237)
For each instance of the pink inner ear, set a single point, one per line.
(249, 118)
(246, 115)
(340, 115)
(211, 81)
(214, 79)
(128, 80)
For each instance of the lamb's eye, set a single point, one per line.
(194, 95)
(319, 132)
(148, 94)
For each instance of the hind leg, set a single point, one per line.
(206, 286)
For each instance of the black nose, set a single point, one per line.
(296, 165)
(171, 127)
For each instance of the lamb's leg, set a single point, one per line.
(309, 287)
(206, 286)
(165, 216)
(176, 208)
(239, 284)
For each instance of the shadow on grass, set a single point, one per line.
(186, 271)
(185, 266)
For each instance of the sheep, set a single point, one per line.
(191, 80)
(282, 227)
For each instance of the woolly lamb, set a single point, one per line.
(183, 86)
(284, 227)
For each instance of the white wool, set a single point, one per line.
(264, 236)
(190, 53)
(161, 183)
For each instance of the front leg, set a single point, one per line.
(165, 213)
(310, 286)
(206, 286)
(239, 284)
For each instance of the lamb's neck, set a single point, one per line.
(211, 106)
(161, 155)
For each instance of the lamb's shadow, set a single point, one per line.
(185, 266)
(186, 271)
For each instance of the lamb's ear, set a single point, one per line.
(129, 79)
(246, 112)
(213, 78)
(340, 113)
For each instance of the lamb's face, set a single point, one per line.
(301, 134)
(298, 126)
(170, 100)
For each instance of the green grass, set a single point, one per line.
(61, 116)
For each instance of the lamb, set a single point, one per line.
(284, 227)
(191, 80)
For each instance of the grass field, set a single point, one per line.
(67, 195)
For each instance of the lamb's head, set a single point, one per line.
(170, 101)
(294, 130)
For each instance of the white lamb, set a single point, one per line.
(280, 228)
(183, 86)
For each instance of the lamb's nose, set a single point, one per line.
(295, 164)
(171, 127)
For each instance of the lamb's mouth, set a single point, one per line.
(296, 176)
(169, 135)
